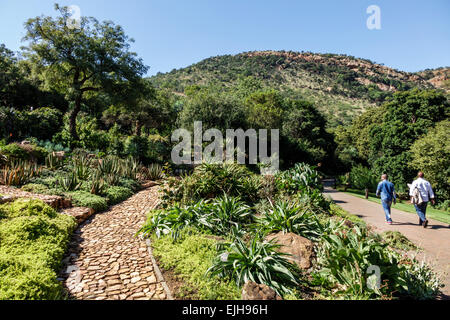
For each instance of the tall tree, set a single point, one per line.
(92, 58)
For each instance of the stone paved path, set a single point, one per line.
(106, 261)
(434, 240)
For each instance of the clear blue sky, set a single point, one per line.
(414, 35)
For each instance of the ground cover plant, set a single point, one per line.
(344, 248)
(33, 240)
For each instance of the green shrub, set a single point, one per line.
(129, 184)
(287, 217)
(87, 199)
(14, 152)
(260, 262)
(117, 194)
(363, 178)
(35, 188)
(27, 207)
(211, 181)
(300, 177)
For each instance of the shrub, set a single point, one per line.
(129, 183)
(117, 194)
(137, 147)
(300, 177)
(87, 199)
(287, 217)
(33, 239)
(15, 151)
(259, 262)
(152, 172)
(36, 188)
(210, 181)
(27, 207)
(363, 178)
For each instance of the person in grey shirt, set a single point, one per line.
(426, 193)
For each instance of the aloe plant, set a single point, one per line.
(69, 182)
(18, 173)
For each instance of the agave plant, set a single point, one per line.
(18, 173)
(69, 182)
(129, 168)
(259, 262)
(98, 184)
(52, 162)
(152, 172)
(109, 165)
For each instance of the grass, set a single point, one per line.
(432, 213)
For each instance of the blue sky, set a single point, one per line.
(414, 35)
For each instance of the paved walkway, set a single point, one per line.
(434, 240)
(106, 260)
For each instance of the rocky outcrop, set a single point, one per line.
(255, 291)
(300, 249)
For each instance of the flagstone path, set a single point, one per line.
(106, 261)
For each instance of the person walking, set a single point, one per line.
(421, 193)
(386, 190)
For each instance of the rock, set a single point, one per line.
(255, 291)
(300, 248)
(60, 155)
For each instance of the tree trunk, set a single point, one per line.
(367, 193)
(73, 118)
(137, 130)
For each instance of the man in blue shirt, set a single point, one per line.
(386, 190)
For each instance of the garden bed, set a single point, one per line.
(212, 238)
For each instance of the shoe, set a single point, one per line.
(389, 222)
(425, 223)
(420, 222)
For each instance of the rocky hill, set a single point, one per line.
(340, 85)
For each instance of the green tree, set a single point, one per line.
(82, 61)
(265, 109)
(409, 114)
(431, 154)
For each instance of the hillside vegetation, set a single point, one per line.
(339, 85)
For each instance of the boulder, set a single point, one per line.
(301, 250)
(255, 291)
